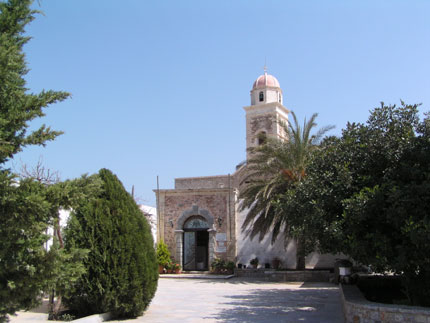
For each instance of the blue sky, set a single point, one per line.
(158, 86)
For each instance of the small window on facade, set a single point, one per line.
(261, 96)
(279, 97)
(262, 138)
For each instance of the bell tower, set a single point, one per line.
(266, 111)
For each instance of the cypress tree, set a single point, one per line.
(24, 208)
(17, 106)
(122, 270)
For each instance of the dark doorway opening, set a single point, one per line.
(196, 247)
(196, 244)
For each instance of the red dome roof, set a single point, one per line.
(265, 80)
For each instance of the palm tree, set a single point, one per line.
(274, 168)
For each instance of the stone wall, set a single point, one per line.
(359, 310)
(202, 182)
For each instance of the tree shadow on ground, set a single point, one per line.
(260, 281)
(243, 281)
(282, 305)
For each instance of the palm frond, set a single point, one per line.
(272, 169)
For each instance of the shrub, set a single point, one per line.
(163, 254)
(230, 266)
(221, 266)
(254, 261)
(121, 266)
(217, 264)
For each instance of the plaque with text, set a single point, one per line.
(221, 237)
(220, 249)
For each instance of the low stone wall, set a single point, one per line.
(357, 309)
(285, 276)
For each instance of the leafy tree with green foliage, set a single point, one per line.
(67, 262)
(24, 216)
(122, 270)
(24, 208)
(367, 195)
(67, 267)
(274, 168)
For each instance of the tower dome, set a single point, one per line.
(266, 89)
(265, 80)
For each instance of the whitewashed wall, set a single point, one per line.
(152, 218)
(248, 249)
(64, 216)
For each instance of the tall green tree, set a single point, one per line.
(363, 159)
(24, 209)
(24, 216)
(273, 169)
(17, 106)
(367, 195)
(122, 269)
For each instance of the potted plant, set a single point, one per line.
(254, 262)
(176, 268)
(163, 257)
(170, 267)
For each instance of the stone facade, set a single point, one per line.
(203, 199)
(264, 119)
(203, 182)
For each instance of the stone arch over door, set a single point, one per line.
(179, 232)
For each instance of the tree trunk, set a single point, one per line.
(300, 255)
(51, 305)
(57, 306)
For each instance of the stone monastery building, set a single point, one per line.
(199, 219)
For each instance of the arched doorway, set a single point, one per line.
(196, 244)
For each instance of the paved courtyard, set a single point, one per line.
(240, 300)
(231, 300)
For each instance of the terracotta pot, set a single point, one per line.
(177, 271)
(160, 269)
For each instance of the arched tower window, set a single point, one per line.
(279, 97)
(261, 96)
(261, 138)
